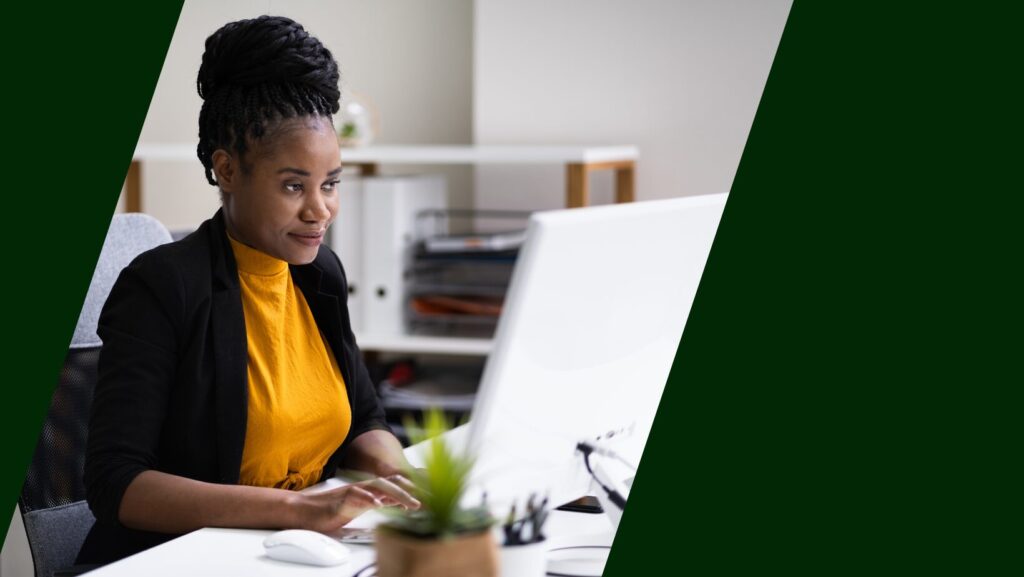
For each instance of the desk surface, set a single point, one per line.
(231, 552)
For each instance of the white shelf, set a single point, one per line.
(416, 344)
(431, 154)
(483, 154)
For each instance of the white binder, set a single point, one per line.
(347, 242)
(390, 206)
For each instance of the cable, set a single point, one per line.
(613, 495)
(364, 571)
(605, 452)
(570, 548)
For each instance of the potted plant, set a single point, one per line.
(442, 537)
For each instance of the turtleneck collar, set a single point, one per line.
(255, 262)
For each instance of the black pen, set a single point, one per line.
(531, 518)
(540, 517)
(510, 537)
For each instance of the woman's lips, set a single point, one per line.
(308, 239)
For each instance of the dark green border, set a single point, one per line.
(78, 79)
(841, 401)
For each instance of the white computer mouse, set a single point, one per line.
(307, 547)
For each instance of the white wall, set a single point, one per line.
(680, 79)
(413, 60)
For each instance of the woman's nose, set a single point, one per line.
(316, 209)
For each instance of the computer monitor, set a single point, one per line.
(591, 323)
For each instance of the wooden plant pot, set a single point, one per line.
(398, 555)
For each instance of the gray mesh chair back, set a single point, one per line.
(52, 502)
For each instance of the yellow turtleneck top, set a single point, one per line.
(298, 406)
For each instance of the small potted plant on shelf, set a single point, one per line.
(442, 537)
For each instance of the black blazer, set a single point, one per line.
(172, 389)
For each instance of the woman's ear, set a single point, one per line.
(227, 170)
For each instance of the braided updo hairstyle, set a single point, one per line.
(258, 72)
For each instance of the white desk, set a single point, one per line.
(231, 552)
(239, 552)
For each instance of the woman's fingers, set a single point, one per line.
(387, 489)
(337, 507)
(357, 500)
(402, 482)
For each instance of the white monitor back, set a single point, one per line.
(593, 317)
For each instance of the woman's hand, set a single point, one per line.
(329, 510)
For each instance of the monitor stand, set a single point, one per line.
(587, 559)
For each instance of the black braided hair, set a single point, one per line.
(258, 72)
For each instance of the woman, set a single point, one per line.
(229, 376)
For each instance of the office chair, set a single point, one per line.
(52, 502)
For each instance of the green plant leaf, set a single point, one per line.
(439, 485)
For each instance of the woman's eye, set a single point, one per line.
(330, 186)
(293, 187)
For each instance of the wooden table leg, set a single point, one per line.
(366, 168)
(133, 188)
(576, 185)
(625, 183)
(577, 181)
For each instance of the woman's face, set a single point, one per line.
(287, 195)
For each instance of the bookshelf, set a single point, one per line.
(424, 345)
(579, 162)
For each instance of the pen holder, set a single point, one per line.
(528, 560)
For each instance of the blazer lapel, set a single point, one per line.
(231, 356)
